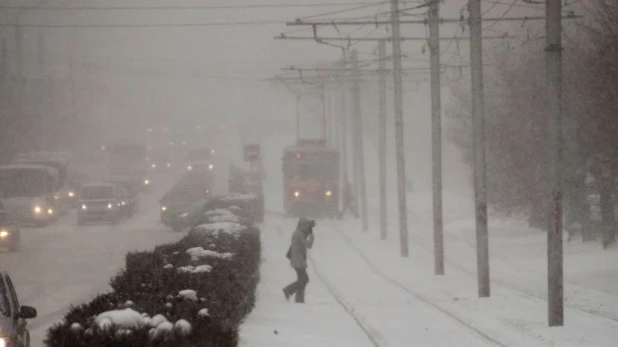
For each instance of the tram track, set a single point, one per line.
(426, 301)
(505, 283)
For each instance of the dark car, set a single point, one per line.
(179, 200)
(13, 326)
(127, 194)
(9, 232)
(99, 202)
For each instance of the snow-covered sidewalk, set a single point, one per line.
(511, 316)
(275, 322)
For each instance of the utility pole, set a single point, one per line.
(298, 97)
(436, 136)
(553, 29)
(358, 141)
(382, 138)
(343, 132)
(478, 123)
(399, 142)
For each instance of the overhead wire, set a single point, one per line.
(513, 3)
(206, 7)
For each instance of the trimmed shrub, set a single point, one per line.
(201, 287)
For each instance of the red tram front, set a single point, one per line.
(311, 179)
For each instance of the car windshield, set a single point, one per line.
(96, 193)
(22, 183)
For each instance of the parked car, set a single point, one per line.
(13, 326)
(99, 202)
(9, 232)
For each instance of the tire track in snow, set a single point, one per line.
(420, 297)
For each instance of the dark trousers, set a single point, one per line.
(298, 287)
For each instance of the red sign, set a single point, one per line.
(252, 152)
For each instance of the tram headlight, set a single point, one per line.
(296, 194)
(37, 209)
(4, 234)
(329, 193)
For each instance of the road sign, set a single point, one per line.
(252, 152)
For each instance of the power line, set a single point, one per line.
(503, 15)
(214, 7)
(146, 25)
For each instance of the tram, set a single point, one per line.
(311, 179)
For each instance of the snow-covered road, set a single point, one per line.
(65, 264)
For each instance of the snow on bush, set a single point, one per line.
(188, 294)
(127, 319)
(196, 269)
(199, 252)
(221, 215)
(183, 327)
(203, 313)
(76, 327)
(221, 227)
(168, 266)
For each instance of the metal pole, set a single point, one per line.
(359, 143)
(382, 139)
(343, 133)
(325, 136)
(553, 55)
(361, 152)
(354, 130)
(478, 121)
(399, 142)
(297, 117)
(436, 136)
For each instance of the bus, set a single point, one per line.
(129, 159)
(64, 190)
(311, 179)
(27, 192)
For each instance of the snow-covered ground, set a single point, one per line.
(363, 293)
(65, 264)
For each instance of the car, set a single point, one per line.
(99, 202)
(13, 325)
(179, 199)
(9, 233)
(127, 194)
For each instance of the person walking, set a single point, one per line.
(302, 240)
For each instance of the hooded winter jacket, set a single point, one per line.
(301, 241)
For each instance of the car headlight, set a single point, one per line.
(296, 194)
(3, 342)
(169, 165)
(154, 166)
(163, 208)
(37, 209)
(146, 182)
(84, 206)
(123, 203)
(71, 194)
(210, 167)
(189, 167)
(4, 234)
(50, 211)
(110, 206)
(329, 193)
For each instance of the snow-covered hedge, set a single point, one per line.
(195, 292)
